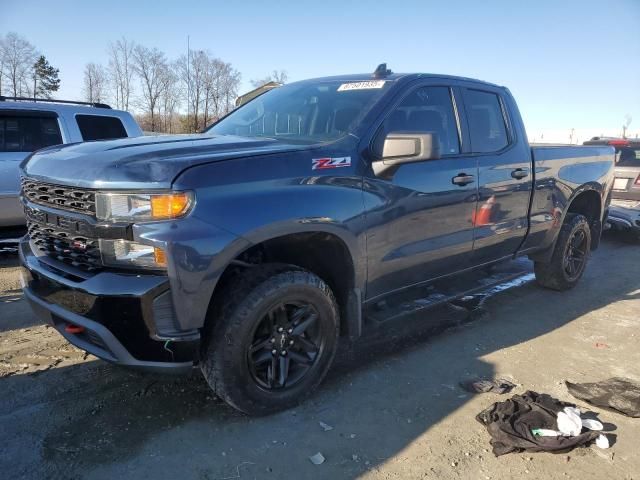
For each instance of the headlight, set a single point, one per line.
(140, 207)
(123, 254)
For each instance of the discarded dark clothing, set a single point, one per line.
(510, 424)
(621, 395)
(484, 386)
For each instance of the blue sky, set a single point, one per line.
(570, 64)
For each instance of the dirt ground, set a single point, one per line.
(394, 403)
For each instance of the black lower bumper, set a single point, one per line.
(11, 235)
(624, 215)
(110, 315)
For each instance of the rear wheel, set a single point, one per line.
(272, 339)
(570, 255)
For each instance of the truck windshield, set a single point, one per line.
(304, 112)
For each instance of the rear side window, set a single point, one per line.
(99, 127)
(427, 109)
(486, 121)
(27, 133)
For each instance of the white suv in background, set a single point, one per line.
(27, 125)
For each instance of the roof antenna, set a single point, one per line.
(382, 71)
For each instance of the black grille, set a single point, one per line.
(74, 250)
(67, 198)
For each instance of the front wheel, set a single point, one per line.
(570, 255)
(272, 340)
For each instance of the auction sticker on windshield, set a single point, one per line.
(361, 85)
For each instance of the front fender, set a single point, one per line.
(197, 255)
(239, 208)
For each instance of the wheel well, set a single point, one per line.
(589, 204)
(322, 253)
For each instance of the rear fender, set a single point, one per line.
(545, 254)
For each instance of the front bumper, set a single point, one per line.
(11, 212)
(119, 314)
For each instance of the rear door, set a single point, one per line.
(504, 174)
(21, 132)
(420, 220)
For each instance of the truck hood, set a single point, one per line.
(141, 162)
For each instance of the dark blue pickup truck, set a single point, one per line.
(252, 249)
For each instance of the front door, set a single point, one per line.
(420, 222)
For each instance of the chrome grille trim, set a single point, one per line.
(59, 196)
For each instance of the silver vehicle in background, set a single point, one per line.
(624, 213)
(27, 125)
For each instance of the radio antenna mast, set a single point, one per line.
(188, 83)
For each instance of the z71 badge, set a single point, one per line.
(326, 163)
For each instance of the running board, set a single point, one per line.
(472, 288)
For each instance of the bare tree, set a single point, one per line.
(278, 76)
(95, 83)
(192, 71)
(231, 85)
(18, 57)
(1, 63)
(152, 67)
(169, 100)
(212, 87)
(121, 70)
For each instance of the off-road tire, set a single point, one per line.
(229, 333)
(553, 275)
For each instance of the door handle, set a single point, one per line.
(463, 179)
(519, 173)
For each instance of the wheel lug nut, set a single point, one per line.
(274, 352)
(290, 342)
(273, 340)
(280, 329)
(283, 352)
(290, 330)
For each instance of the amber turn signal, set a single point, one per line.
(170, 205)
(160, 257)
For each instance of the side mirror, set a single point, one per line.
(401, 148)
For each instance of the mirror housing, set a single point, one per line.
(401, 148)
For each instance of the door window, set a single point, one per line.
(100, 127)
(486, 121)
(28, 132)
(428, 110)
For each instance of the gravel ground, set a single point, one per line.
(394, 404)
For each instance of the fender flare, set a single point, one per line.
(275, 230)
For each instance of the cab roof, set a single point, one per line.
(363, 77)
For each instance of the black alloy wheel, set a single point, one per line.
(570, 255)
(270, 338)
(575, 256)
(286, 344)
